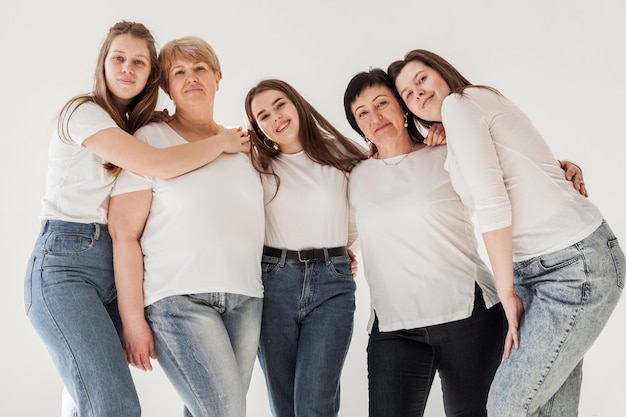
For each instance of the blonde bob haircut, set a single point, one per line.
(191, 48)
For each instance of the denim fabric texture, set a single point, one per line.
(568, 297)
(70, 299)
(466, 353)
(308, 317)
(206, 344)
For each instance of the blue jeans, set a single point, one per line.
(70, 299)
(568, 297)
(206, 344)
(308, 315)
(466, 353)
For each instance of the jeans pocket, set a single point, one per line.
(341, 267)
(618, 260)
(559, 259)
(61, 244)
(269, 267)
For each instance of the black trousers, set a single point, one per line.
(466, 353)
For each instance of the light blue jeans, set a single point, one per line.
(568, 297)
(70, 299)
(206, 344)
(308, 316)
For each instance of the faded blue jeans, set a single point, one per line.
(568, 297)
(206, 344)
(70, 299)
(308, 316)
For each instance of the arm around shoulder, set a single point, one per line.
(124, 150)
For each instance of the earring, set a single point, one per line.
(270, 144)
(406, 120)
(366, 140)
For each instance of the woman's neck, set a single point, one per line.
(395, 149)
(194, 127)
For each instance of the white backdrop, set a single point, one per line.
(561, 61)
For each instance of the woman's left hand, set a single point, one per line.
(161, 116)
(513, 309)
(574, 174)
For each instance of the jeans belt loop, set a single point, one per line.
(96, 234)
(44, 226)
(326, 257)
(283, 256)
(309, 255)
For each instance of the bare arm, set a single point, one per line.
(499, 248)
(124, 150)
(127, 218)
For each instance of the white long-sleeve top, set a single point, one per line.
(311, 207)
(503, 169)
(204, 232)
(418, 245)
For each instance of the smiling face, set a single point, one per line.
(380, 117)
(192, 84)
(277, 117)
(423, 90)
(126, 68)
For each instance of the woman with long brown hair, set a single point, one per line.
(69, 292)
(308, 311)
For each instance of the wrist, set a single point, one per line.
(506, 294)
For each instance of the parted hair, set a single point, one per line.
(142, 107)
(189, 48)
(321, 141)
(366, 79)
(455, 80)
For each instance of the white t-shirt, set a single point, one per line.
(77, 185)
(503, 169)
(205, 229)
(311, 208)
(419, 249)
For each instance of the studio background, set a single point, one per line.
(562, 62)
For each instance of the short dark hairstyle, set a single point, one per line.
(366, 79)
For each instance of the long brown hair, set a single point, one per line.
(321, 141)
(143, 105)
(455, 80)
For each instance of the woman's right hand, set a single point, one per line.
(235, 140)
(139, 345)
(436, 135)
(513, 309)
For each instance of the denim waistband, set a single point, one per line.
(62, 225)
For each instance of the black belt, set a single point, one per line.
(305, 254)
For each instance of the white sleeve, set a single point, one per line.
(86, 120)
(128, 181)
(470, 142)
(352, 231)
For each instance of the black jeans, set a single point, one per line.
(466, 353)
